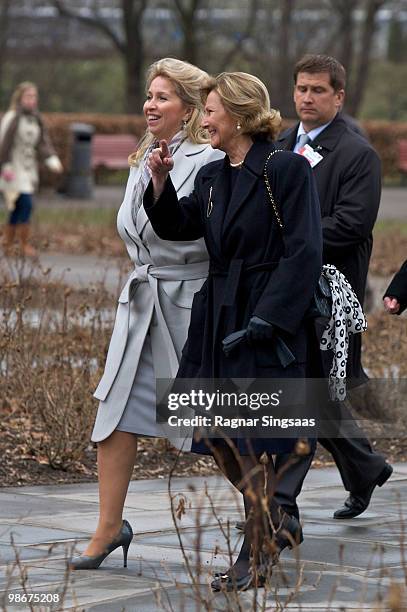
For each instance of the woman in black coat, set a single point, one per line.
(265, 261)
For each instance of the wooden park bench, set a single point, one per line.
(111, 151)
(402, 158)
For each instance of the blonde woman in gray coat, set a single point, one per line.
(154, 306)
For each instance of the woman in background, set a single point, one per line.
(24, 143)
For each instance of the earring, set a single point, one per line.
(238, 127)
(184, 124)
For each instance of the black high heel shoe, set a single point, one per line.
(288, 535)
(124, 538)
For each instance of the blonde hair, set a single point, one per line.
(246, 98)
(19, 92)
(188, 81)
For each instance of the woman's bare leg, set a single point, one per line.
(116, 458)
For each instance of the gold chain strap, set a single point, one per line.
(268, 187)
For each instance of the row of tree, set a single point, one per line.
(261, 36)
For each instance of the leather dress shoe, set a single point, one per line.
(357, 502)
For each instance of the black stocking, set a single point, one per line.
(255, 478)
(227, 460)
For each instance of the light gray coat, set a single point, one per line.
(160, 289)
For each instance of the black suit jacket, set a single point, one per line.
(349, 186)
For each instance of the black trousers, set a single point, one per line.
(358, 464)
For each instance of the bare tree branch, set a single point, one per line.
(188, 15)
(4, 33)
(283, 68)
(362, 73)
(344, 10)
(130, 46)
(93, 21)
(251, 22)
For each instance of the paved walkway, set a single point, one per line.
(342, 565)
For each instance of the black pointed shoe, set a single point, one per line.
(357, 502)
(227, 582)
(88, 562)
(288, 535)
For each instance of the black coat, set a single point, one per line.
(349, 186)
(255, 269)
(398, 288)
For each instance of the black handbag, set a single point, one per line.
(321, 305)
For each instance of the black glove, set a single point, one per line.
(259, 330)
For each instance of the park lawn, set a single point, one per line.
(59, 217)
(75, 230)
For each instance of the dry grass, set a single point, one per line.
(53, 343)
(389, 247)
(48, 362)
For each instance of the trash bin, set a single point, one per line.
(79, 182)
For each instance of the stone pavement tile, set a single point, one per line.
(168, 598)
(362, 555)
(369, 517)
(89, 588)
(84, 524)
(210, 538)
(37, 576)
(7, 554)
(159, 520)
(332, 589)
(398, 574)
(400, 468)
(60, 491)
(31, 534)
(89, 491)
(312, 592)
(334, 550)
(160, 500)
(378, 528)
(17, 506)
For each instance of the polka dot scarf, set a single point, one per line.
(347, 318)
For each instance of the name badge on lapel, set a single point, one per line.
(310, 154)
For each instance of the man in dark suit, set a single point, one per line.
(348, 175)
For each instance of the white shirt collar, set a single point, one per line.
(312, 133)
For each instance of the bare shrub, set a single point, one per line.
(51, 359)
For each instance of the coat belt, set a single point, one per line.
(152, 274)
(233, 275)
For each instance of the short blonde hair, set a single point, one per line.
(246, 98)
(188, 81)
(19, 92)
